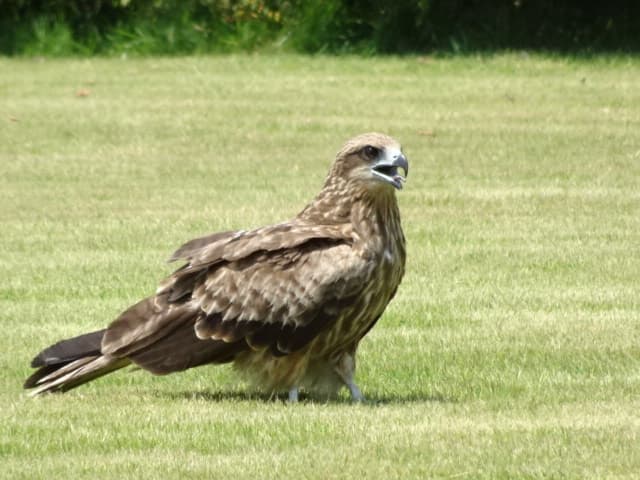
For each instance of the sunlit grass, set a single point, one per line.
(511, 350)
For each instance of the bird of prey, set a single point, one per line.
(287, 304)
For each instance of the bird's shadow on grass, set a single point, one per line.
(371, 399)
(410, 397)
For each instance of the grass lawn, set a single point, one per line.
(511, 351)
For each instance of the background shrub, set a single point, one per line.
(76, 27)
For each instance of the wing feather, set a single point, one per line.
(233, 246)
(273, 288)
(282, 299)
(143, 324)
(192, 247)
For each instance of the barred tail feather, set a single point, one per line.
(70, 349)
(78, 372)
(70, 363)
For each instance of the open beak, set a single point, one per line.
(392, 169)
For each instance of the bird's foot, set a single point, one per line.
(356, 394)
(293, 395)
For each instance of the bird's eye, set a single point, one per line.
(371, 152)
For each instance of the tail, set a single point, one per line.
(70, 363)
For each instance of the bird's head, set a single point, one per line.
(372, 160)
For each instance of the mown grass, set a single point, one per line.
(511, 351)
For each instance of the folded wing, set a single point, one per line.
(274, 288)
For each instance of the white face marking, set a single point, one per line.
(385, 163)
(388, 255)
(391, 152)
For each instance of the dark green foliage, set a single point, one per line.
(137, 26)
(76, 27)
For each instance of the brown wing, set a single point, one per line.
(192, 247)
(282, 299)
(231, 246)
(208, 251)
(275, 287)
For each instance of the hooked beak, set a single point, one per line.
(388, 166)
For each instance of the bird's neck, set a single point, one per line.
(331, 205)
(373, 214)
(376, 223)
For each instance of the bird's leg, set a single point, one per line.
(346, 369)
(356, 394)
(293, 395)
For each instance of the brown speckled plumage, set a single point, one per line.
(288, 304)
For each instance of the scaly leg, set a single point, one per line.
(356, 394)
(293, 395)
(346, 370)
